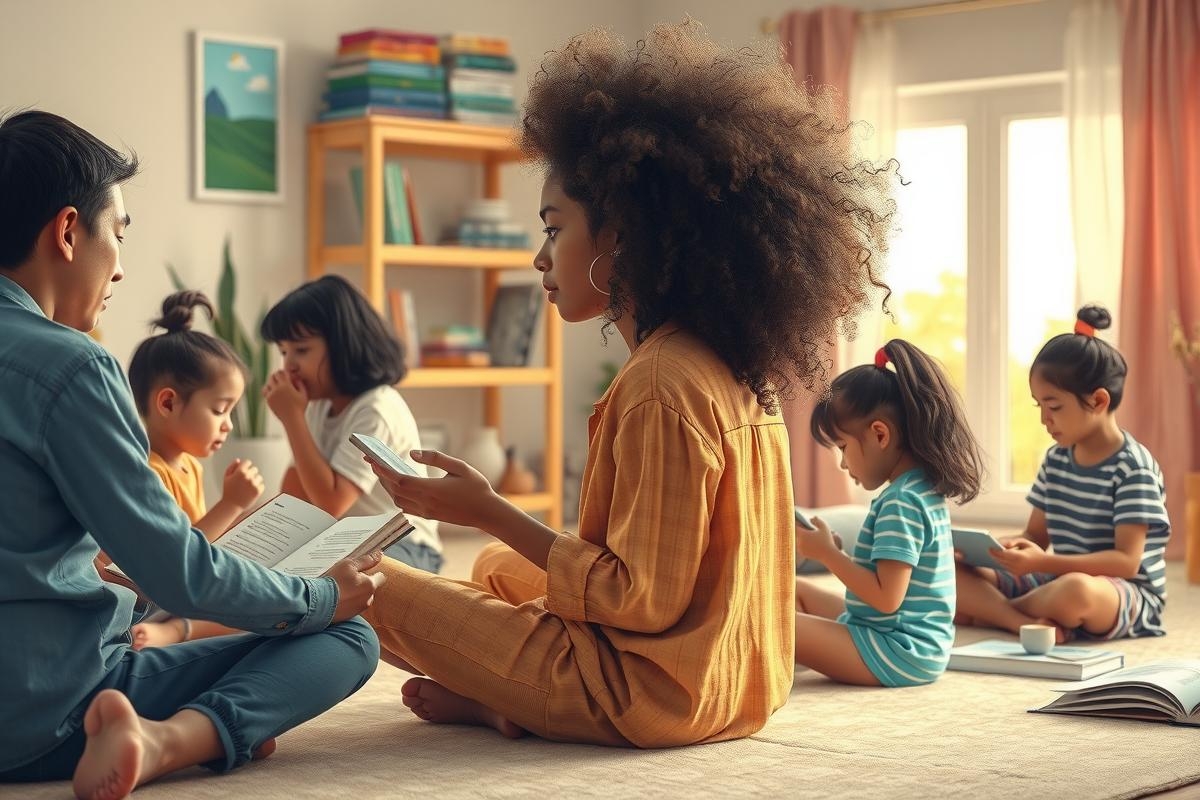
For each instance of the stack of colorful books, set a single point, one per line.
(455, 346)
(386, 72)
(479, 79)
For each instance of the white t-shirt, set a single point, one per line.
(382, 413)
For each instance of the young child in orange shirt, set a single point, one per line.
(186, 384)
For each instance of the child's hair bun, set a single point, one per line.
(177, 311)
(1096, 316)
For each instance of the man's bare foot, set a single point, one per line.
(435, 703)
(112, 760)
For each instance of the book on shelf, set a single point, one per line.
(385, 35)
(461, 358)
(404, 324)
(502, 63)
(476, 44)
(1010, 658)
(397, 220)
(414, 216)
(1161, 691)
(355, 112)
(376, 96)
(359, 67)
(293, 536)
(511, 323)
(384, 50)
(369, 80)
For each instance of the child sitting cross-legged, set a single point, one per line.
(186, 384)
(903, 427)
(1091, 557)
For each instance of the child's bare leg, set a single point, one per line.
(1074, 600)
(826, 646)
(818, 601)
(435, 703)
(981, 603)
(124, 751)
(157, 634)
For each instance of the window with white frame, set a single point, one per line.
(983, 268)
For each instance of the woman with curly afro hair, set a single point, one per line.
(714, 214)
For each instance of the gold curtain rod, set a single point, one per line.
(771, 26)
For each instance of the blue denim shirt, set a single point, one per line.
(74, 479)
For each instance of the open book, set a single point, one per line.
(1009, 658)
(1163, 691)
(298, 538)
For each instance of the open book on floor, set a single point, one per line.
(1163, 691)
(298, 538)
(1009, 658)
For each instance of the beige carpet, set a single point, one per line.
(966, 736)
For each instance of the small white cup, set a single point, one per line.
(1037, 639)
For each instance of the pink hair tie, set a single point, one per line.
(1084, 329)
(881, 358)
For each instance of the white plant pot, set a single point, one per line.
(271, 455)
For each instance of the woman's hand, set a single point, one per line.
(285, 398)
(1019, 556)
(462, 497)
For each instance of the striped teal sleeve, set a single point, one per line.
(899, 530)
(1137, 500)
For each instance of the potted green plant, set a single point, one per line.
(249, 439)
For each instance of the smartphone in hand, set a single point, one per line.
(381, 454)
(804, 522)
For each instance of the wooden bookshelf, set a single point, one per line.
(377, 138)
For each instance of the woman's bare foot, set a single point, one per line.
(435, 703)
(113, 759)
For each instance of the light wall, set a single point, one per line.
(124, 72)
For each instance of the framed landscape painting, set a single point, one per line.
(238, 137)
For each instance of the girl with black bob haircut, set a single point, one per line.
(1090, 561)
(367, 354)
(904, 427)
(340, 368)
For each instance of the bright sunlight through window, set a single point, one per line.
(1041, 273)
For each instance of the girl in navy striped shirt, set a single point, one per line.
(1091, 558)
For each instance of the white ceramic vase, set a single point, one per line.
(484, 452)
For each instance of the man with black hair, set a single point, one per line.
(75, 478)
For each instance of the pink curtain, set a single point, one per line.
(818, 45)
(1160, 95)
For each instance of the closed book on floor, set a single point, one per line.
(1009, 658)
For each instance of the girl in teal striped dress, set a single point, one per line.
(897, 422)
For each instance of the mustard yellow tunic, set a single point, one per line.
(186, 485)
(670, 619)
